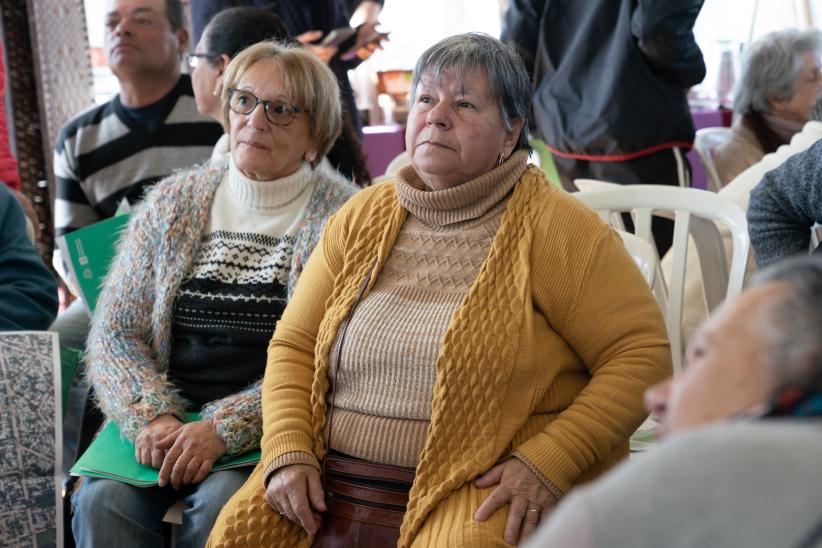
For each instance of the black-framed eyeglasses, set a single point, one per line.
(193, 59)
(277, 112)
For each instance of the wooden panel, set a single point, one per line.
(50, 80)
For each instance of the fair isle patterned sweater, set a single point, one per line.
(205, 246)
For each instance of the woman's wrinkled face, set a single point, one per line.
(455, 130)
(807, 88)
(725, 371)
(261, 150)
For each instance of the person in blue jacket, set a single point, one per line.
(610, 81)
(28, 291)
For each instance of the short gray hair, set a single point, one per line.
(794, 322)
(770, 67)
(476, 52)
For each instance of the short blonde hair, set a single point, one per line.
(309, 84)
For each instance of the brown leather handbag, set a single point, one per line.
(365, 501)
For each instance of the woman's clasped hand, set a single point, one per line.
(184, 453)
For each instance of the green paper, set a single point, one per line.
(88, 253)
(111, 457)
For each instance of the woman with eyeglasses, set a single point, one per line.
(227, 34)
(205, 268)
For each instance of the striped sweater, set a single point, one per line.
(130, 346)
(103, 155)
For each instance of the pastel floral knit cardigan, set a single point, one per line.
(130, 339)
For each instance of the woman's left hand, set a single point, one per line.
(190, 453)
(518, 486)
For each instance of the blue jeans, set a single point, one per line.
(112, 514)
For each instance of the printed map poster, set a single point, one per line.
(30, 503)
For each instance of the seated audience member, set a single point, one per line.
(309, 22)
(487, 361)
(694, 307)
(231, 31)
(207, 264)
(784, 207)
(779, 82)
(741, 466)
(114, 151)
(28, 291)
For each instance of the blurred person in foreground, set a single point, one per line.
(739, 465)
(779, 82)
(204, 270)
(470, 334)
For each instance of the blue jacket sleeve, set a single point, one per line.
(521, 26)
(664, 32)
(784, 206)
(28, 291)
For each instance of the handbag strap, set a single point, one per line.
(337, 365)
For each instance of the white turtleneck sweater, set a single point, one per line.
(235, 291)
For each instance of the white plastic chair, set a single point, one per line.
(643, 253)
(706, 140)
(694, 212)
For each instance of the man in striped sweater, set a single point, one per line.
(115, 151)
(112, 152)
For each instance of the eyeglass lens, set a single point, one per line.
(244, 102)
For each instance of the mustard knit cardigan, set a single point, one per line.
(548, 355)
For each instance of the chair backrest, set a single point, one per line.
(706, 140)
(694, 212)
(643, 253)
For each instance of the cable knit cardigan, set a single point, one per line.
(130, 339)
(548, 356)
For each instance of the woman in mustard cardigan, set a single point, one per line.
(480, 327)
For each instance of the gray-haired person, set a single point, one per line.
(779, 82)
(740, 462)
(486, 358)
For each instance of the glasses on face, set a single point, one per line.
(277, 112)
(193, 59)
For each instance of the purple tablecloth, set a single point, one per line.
(382, 144)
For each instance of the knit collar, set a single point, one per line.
(469, 200)
(267, 195)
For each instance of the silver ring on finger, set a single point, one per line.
(534, 509)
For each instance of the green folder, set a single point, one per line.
(111, 457)
(88, 253)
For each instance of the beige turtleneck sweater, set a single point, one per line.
(382, 403)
